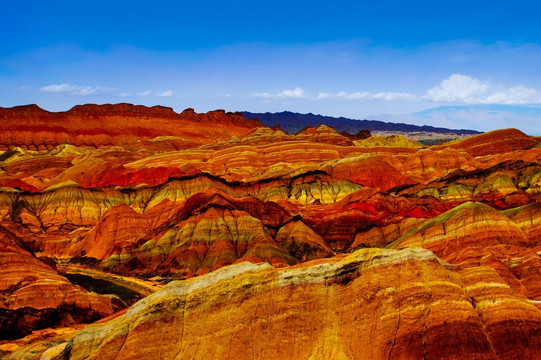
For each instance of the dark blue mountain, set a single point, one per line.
(294, 122)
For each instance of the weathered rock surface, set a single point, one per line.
(372, 304)
(475, 234)
(33, 295)
(97, 125)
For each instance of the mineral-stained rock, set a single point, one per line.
(528, 219)
(382, 236)
(474, 234)
(373, 171)
(388, 141)
(117, 232)
(33, 295)
(470, 224)
(339, 223)
(324, 134)
(208, 233)
(431, 165)
(97, 125)
(493, 142)
(146, 192)
(372, 304)
(302, 242)
(360, 135)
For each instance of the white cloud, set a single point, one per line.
(127, 94)
(365, 95)
(163, 94)
(457, 88)
(466, 89)
(299, 93)
(296, 93)
(80, 90)
(389, 96)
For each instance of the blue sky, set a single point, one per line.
(390, 60)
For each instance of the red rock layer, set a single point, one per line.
(474, 234)
(98, 125)
(494, 142)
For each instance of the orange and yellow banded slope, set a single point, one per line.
(314, 245)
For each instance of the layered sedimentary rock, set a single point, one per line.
(474, 234)
(97, 125)
(145, 195)
(494, 142)
(33, 295)
(372, 304)
(212, 236)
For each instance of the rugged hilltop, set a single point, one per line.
(308, 246)
(31, 127)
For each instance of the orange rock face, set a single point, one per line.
(371, 304)
(278, 239)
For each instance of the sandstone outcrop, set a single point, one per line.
(372, 304)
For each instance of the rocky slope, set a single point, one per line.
(269, 229)
(34, 295)
(372, 304)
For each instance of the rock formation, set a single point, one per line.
(274, 243)
(33, 295)
(371, 304)
(98, 125)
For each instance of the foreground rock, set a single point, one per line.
(372, 304)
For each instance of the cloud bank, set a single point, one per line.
(457, 88)
(296, 93)
(85, 90)
(79, 90)
(466, 89)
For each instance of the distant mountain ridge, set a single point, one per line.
(294, 122)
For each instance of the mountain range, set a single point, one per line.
(129, 232)
(292, 123)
